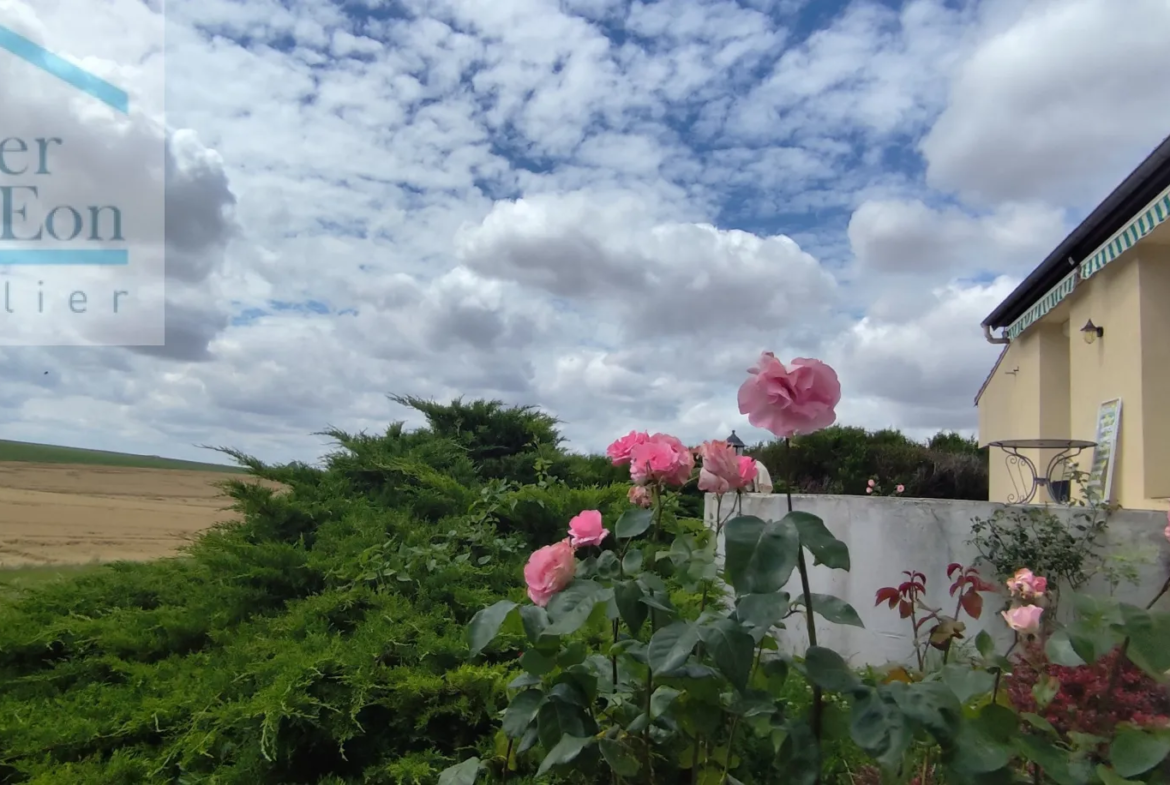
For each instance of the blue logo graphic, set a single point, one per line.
(32, 157)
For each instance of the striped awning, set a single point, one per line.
(1155, 213)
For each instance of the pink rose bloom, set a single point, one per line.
(748, 471)
(900, 489)
(619, 451)
(869, 489)
(871, 483)
(639, 496)
(549, 570)
(1026, 585)
(1024, 618)
(790, 401)
(1166, 531)
(586, 529)
(720, 472)
(662, 459)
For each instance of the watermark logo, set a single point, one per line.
(82, 183)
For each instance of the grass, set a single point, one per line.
(16, 580)
(26, 452)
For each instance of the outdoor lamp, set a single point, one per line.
(736, 442)
(1092, 332)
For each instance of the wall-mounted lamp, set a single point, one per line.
(1092, 332)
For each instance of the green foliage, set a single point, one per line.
(842, 459)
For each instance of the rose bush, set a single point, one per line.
(678, 693)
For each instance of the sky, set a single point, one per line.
(603, 208)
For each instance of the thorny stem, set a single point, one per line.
(914, 626)
(815, 717)
(735, 719)
(999, 673)
(507, 762)
(958, 607)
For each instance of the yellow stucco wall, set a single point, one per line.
(1061, 381)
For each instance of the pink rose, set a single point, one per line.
(720, 472)
(1026, 585)
(787, 402)
(586, 529)
(549, 570)
(619, 451)
(1024, 618)
(748, 471)
(1166, 531)
(871, 483)
(640, 496)
(900, 489)
(663, 459)
(869, 489)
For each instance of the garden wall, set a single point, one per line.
(887, 535)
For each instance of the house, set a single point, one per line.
(1089, 325)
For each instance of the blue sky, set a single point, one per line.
(601, 207)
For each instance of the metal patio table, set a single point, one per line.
(1031, 478)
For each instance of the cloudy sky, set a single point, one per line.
(606, 208)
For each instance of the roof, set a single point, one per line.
(1149, 180)
(735, 441)
(991, 374)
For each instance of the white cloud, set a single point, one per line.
(511, 200)
(1058, 105)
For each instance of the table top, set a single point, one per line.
(1043, 444)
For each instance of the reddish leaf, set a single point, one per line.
(905, 609)
(889, 595)
(952, 567)
(972, 603)
(956, 586)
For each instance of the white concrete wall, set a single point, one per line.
(886, 536)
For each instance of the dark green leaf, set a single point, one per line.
(1055, 761)
(835, 610)
(671, 645)
(759, 555)
(607, 565)
(814, 535)
(632, 523)
(1060, 650)
(762, 611)
(486, 624)
(1149, 639)
(879, 727)
(461, 773)
(523, 681)
(799, 755)
(976, 752)
(828, 670)
(931, 705)
(1134, 752)
(1038, 722)
(660, 701)
(570, 609)
(660, 602)
(967, 683)
(1110, 777)
(627, 595)
(535, 621)
(557, 718)
(564, 751)
(633, 562)
(984, 644)
(732, 649)
(623, 761)
(537, 662)
(520, 712)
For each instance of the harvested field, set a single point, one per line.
(53, 513)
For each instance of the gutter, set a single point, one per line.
(991, 338)
(1135, 192)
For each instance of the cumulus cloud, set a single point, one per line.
(1057, 104)
(605, 209)
(893, 236)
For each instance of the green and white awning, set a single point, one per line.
(1155, 213)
